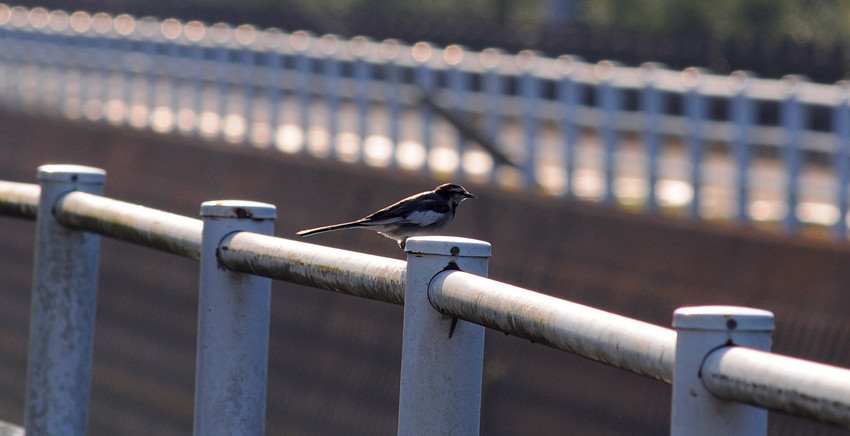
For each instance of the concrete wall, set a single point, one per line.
(334, 363)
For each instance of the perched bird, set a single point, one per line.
(426, 213)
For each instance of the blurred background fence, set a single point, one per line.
(689, 142)
(140, 97)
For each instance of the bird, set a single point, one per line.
(425, 213)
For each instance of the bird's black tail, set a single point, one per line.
(332, 228)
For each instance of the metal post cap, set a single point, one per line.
(238, 209)
(64, 173)
(447, 246)
(742, 319)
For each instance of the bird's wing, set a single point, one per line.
(425, 217)
(421, 209)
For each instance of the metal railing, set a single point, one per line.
(716, 359)
(733, 147)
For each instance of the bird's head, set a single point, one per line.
(453, 193)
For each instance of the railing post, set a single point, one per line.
(233, 327)
(702, 330)
(442, 358)
(63, 309)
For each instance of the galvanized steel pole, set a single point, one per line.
(63, 309)
(233, 327)
(702, 330)
(442, 358)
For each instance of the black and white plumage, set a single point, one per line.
(426, 213)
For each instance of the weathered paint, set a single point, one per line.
(629, 344)
(151, 228)
(63, 309)
(781, 383)
(762, 379)
(701, 330)
(441, 366)
(19, 199)
(342, 271)
(233, 327)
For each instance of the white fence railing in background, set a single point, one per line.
(716, 359)
(735, 147)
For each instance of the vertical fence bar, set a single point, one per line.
(568, 96)
(8, 59)
(700, 331)
(359, 47)
(233, 328)
(458, 85)
(329, 47)
(196, 32)
(9, 45)
(149, 30)
(273, 79)
(650, 104)
(40, 59)
(494, 89)
(246, 36)
(695, 112)
(530, 92)
(793, 122)
(301, 42)
(220, 33)
(63, 57)
(63, 309)
(425, 78)
(85, 67)
(742, 118)
(841, 129)
(175, 66)
(389, 50)
(100, 60)
(442, 358)
(124, 71)
(609, 103)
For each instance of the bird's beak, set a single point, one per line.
(469, 195)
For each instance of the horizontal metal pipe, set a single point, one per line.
(622, 342)
(342, 271)
(152, 228)
(19, 199)
(781, 383)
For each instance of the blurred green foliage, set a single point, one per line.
(769, 37)
(802, 21)
(818, 21)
